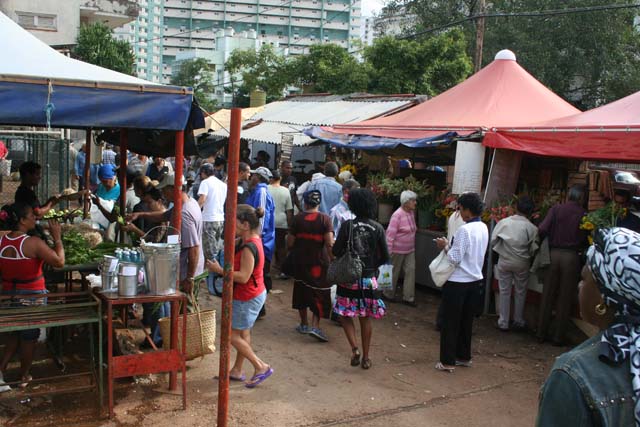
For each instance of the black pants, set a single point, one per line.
(458, 310)
(267, 275)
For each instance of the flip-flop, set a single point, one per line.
(259, 378)
(242, 377)
(440, 367)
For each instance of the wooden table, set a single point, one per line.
(172, 360)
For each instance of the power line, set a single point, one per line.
(538, 14)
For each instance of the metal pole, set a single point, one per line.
(87, 170)
(177, 190)
(124, 142)
(229, 249)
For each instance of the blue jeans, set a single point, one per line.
(27, 334)
(150, 316)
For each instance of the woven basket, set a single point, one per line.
(201, 333)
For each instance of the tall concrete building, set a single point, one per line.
(145, 35)
(291, 24)
(57, 22)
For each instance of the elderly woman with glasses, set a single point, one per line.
(598, 382)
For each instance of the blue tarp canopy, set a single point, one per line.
(377, 143)
(42, 87)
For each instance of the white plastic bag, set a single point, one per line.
(385, 277)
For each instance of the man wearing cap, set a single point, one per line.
(191, 256)
(109, 188)
(212, 195)
(259, 197)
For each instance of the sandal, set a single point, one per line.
(464, 363)
(440, 367)
(366, 363)
(355, 357)
(25, 381)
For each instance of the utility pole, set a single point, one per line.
(479, 36)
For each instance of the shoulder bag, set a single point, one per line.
(348, 267)
(441, 269)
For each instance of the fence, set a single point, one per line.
(44, 148)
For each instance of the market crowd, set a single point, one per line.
(323, 234)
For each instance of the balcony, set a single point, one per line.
(113, 13)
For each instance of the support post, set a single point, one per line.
(177, 189)
(122, 171)
(229, 252)
(87, 171)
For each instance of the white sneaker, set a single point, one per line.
(3, 386)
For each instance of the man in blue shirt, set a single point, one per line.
(259, 197)
(329, 188)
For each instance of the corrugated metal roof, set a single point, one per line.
(325, 113)
(292, 116)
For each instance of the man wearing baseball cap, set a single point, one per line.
(259, 197)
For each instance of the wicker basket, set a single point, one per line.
(201, 333)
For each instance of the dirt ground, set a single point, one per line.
(314, 385)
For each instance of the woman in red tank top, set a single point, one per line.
(21, 259)
(249, 293)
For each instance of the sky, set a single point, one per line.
(370, 6)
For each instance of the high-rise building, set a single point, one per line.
(145, 35)
(291, 24)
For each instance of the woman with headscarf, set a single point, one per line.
(310, 241)
(598, 382)
(401, 241)
(365, 238)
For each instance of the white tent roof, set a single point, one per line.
(27, 56)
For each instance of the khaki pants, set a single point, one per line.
(404, 263)
(510, 277)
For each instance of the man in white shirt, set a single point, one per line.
(212, 195)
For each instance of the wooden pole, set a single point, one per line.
(229, 252)
(86, 173)
(124, 142)
(479, 36)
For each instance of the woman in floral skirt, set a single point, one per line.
(367, 240)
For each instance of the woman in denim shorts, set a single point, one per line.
(21, 259)
(249, 293)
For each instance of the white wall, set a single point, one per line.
(66, 13)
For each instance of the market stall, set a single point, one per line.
(454, 123)
(72, 94)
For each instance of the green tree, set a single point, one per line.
(587, 58)
(195, 73)
(263, 69)
(96, 45)
(330, 68)
(429, 66)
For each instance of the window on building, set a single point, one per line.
(263, 32)
(37, 21)
(279, 33)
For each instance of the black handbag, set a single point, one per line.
(348, 267)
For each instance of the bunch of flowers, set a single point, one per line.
(605, 217)
(349, 168)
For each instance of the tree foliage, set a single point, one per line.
(588, 58)
(263, 69)
(96, 45)
(329, 68)
(427, 66)
(195, 73)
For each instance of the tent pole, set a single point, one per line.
(229, 249)
(86, 173)
(124, 141)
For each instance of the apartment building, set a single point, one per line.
(291, 24)
(146, 36)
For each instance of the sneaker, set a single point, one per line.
(318, 334)
(303, 329)
(3, 386)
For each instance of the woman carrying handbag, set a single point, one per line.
(366, 241)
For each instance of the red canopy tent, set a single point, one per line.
(501, 94)
(610, 132)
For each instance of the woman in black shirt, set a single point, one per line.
(361, 299)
